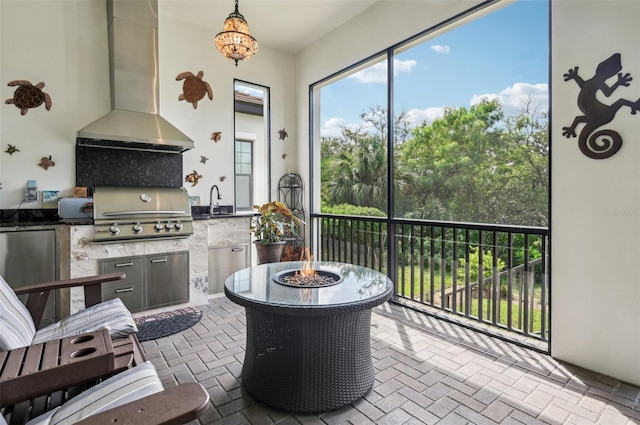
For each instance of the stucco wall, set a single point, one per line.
(65, 45)
(595, 217)
(188, 47)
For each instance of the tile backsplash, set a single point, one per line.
(120, 167)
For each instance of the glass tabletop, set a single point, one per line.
(256, 284)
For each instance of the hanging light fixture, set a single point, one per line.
(235, 41)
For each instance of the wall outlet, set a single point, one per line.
(31, 194)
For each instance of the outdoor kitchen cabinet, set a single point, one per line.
(167, 279)
(131, 289)
(152, 280)
(224, 261)
(28, 256)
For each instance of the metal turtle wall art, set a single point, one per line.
(193, 178)
(28, 96)
(46, 162)
(216, 136)
(282, 134)
(194, 88)
(12, 149)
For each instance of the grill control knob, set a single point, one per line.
(169, 225)
(137, 228)
(158, 226)
(114, 229)
(178, 226)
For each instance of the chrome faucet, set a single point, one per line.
(211, 206)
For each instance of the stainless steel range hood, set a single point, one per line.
(134, 122)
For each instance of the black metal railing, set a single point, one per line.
(490, 274)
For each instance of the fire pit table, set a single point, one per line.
(308, 349)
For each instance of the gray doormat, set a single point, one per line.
(168, 323)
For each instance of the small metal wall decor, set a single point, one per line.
(216, 136)
(594, 143)
(193, 178)
(12, 149)
(282, 134)
(46, 162)
(223, 178)
(203, 159)
(28, 96)
(194, 88)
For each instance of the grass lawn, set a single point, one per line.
(405, 290)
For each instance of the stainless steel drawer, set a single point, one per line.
(131, 294)
(131, 290)
(132, 266)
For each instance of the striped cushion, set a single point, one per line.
(111, 314)
(130, 385)
(16, 325)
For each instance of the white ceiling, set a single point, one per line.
(286, 25)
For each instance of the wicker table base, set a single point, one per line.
(308, 349)
(308, 364)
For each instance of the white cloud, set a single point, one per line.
(378, 72)
(419, 116)
(512, 98)
(333, 127)
(441, 49)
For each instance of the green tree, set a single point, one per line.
(359, 172)
(354, 166)
(452, 161)
(472, 164)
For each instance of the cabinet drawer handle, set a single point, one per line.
(237, 249)
(119, 291)
(161, 260)
(130, 263)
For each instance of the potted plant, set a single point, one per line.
(270, 227)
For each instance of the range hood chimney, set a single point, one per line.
(134, 122)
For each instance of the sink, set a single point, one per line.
(201, 212)
(223, 210)
(201, 216)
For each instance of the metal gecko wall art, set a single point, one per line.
(594, 143)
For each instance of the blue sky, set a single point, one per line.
(500, 55)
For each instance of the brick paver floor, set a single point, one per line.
(428, 371)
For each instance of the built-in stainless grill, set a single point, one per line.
(138, 213)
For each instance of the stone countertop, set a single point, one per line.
(29, 217)
(202, 213)
(49, 217)
(216, 216)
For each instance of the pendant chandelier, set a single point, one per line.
(235, 41)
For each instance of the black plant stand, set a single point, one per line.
(291, 193)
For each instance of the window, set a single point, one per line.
(244, 174)
(354, 141)
(469, 127)
(252, 147)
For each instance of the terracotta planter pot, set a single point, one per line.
(269, 253)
